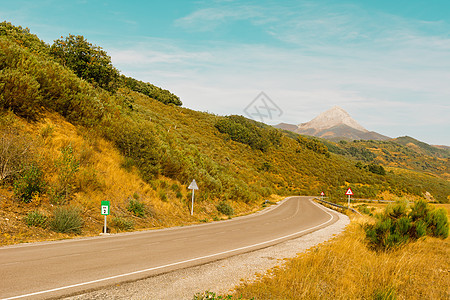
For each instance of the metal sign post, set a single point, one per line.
(193, 186)
(349, 193)
(105, 212)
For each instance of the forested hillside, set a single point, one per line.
(74, 131)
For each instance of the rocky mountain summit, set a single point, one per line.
(334, 124)
(333, 117)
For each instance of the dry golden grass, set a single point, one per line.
(344, 268)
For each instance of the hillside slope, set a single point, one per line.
(82, 143)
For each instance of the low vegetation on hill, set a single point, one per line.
(404, 152)
(75, 132)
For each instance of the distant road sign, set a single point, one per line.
(322, 194)
(193, 185)
(349, 192)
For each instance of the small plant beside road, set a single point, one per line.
(136, 207)
(36, 219)
(122, 224)
(67, 220)
(212, 296)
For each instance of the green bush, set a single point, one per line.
(363, 209)
(438, 223)
(136, 207)
(29, 184)
(225, 208)
(175, 187)
(163, 196)
(385, 293)
(67, 220)
(396, 226)
(36, 219)
(122, 224)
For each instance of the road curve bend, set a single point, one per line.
(55, 269)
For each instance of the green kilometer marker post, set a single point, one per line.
(105, 211)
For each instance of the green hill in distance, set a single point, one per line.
(66, 115)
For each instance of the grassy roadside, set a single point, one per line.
(344, 268)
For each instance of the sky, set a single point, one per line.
(387, 63)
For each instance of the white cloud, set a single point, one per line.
(208, 19)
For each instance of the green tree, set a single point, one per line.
(88, 61)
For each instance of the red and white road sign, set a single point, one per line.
(322, 194)
(349, 192)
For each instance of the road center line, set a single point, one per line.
(180, 262)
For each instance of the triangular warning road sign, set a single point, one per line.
(322, 194)
(349, 192)
(193, 185)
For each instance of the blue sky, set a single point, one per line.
(385, 62)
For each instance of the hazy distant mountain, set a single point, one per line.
(334, 124)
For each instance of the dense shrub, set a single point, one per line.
(374, 168)
(225, 208)
(23, 37)
(249, 132)
(67, 220)
(20, 93)
(29, 184)
(313, 144)
(396, 226)
(150, 90)
(136, 207)
(438, 223)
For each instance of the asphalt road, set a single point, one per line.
(55, 269)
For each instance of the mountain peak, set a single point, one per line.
(330, 118)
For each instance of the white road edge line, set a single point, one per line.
(173, 264)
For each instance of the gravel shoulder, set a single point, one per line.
(219, 276)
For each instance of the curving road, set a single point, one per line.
(44, 270)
